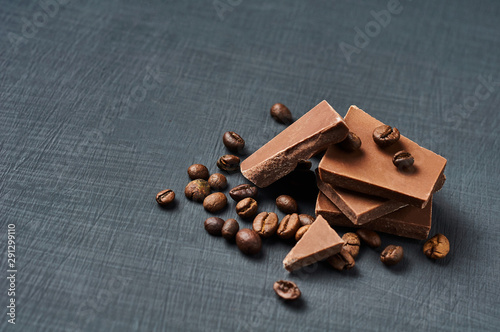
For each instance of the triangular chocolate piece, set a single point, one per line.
(319, 242)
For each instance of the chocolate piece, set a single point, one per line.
(359, 208)
(313, 132)
(319, 242)
(409, 221)
(370, 170)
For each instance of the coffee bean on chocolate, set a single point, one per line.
(286, 204)
(247, 208)
(229, 163)
(213, 225)
(303, 165)
(301, 231)
(306, 219)
(215, 202)
(289, 226)
(197, 190)
(233, 141)
(402, 159)
(230, 228)
(351, 143)
(352, 244)
(217, 181)
(437, 246)
(385, 136)
(243, 191)
(248, 241)
(369, 237)
(266, 224)
(165, 197)
(391, 255)
(287, 290)
(342, 261)
(281, 113)
(198, 171)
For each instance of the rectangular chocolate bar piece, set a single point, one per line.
(313, 132)
(359, 208)
(370, 170)
(408, 222)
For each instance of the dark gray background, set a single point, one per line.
(88, 139)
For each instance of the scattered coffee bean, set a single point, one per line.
(230, 228)
(233, 141)
(229, 163)
(217, 181)
(287, 290)
(286, 204)
(303, 165)
(306, 219)
(439, 183)
(352, 244)
(248, 241)
(165, 197)
(385, 135)
(197, 190)
(369, 237)
(342, 261)
(215, 202)
(402, 159)
(437, 246)
(266, 224)
(281, 113)
(391, 255)
(213, 225)
(351, 143)
(243, 191)
(301, 231)
(198, 171)
(289, 226)
(247, 207)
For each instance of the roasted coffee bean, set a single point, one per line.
(303, 165)
(197, 190)
(281, 113)
(198, 171)
(391, 255)
(243, 191)
(402, 159)
(287, 290)
(247, 207)
(213, 225)
(266, 224)
(437, 246)
(385, 135)
(217, 181)
(439, 184)
(306, 219)
(230, 228)
(351, 143)
(301, 231)
(215, 202)
(342, 261)
(369, 237)
(289, 226)
(248, 241)
(233, 141)
(229, 163)
(351, 244)
(286, 204)
(165, 197)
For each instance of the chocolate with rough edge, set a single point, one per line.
(313, 132)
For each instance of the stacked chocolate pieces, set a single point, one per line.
(364, 189)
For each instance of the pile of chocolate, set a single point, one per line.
(371, 178)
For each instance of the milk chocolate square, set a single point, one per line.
(370, 170)
(408, 222)
(313, 132)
